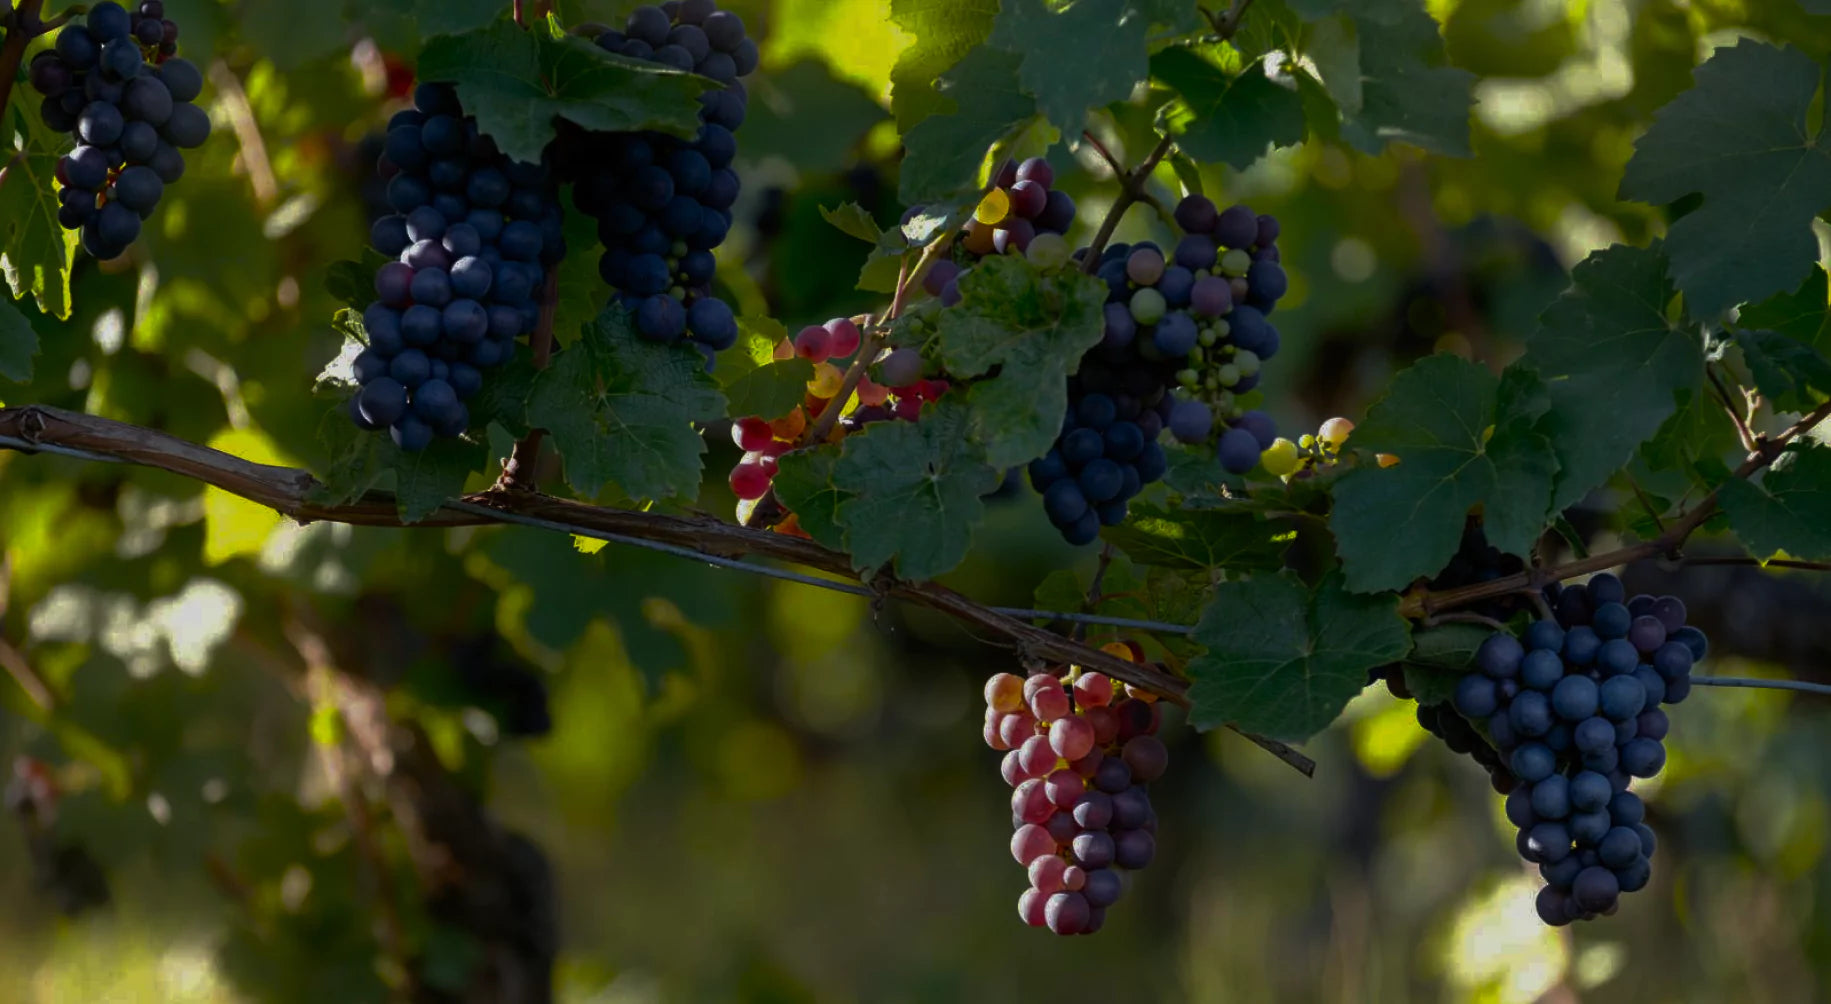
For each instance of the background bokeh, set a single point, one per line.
(760, 791)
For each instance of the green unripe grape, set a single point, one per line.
(677, 292)
(1207, 337)
(1229, 374)
(1221, 328)
(1228, 404)
(1196, 355)
(1048, 251)
(1211, 382)
(679, 250)
(1282, 458)
(1148, 306)
(1252, 399)
(1235, 263)
(1188, 378)
(1248, 362)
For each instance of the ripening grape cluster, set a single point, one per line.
(1019, 207)
(473, 235)
(829, 347)
(1079, 754)
(110, 79)
(1185, 337)
(1475, 561)
(662, 203)
(1575, 708)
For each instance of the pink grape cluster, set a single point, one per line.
(1078, 756)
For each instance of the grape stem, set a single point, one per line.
(518, 471)
(27, 677)
(1426, 602)
(23, 24)
(1131, 189)
(1092, 598)
(44, 429)
(247, 134)
(1743, 432)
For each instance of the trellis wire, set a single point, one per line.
(787, 575)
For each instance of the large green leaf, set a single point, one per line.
(1440, 657)
(18, 344)
(946, 149)
(916, 489)
(1086, 55)
(35, 251)
(1282, 660)
(1463, 436)
(1786, 340)
(1615, 362)
(1230, 118)
(1032, 327)
(620, 410)
(1408, 93)
(945, 31)
(805, 115)
(422, 481)
(1740, 138)
(804, 483)
(1198, 539)
(771, 390)
(516, 82)
(1789, 512)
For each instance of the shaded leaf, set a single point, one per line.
(18, 343)
(804, 483)
(1202, 539)
(1440, 657)
(1282, 660)
(916, 489)
(945, 31)
(1087, 55)
(1789, 512)
(620, 410)
(1740, 138)
(1233, 119)
(945, 150)
(770, 391)
(1462, 436)
(1615, 364)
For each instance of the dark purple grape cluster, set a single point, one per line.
(1184, 341)
(110, 79)
(1475, 561)
(663, 204)
(1079, 754)
(473, 235)
(1575, 708)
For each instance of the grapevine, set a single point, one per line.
(1302, 411)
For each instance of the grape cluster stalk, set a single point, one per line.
(1079, 755)
(1574, 706)
(473, 236)
(111, 80)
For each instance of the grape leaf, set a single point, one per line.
(1145, 593)
(850, 218)
(1616, 365)
(1087, 55)
(1282, 660)
(945, 150)
(1203, 539)
(1789, 512)
(1785, 341)
(1439, 658)
(515, 82)
(579, 291)
(1740, 138)
(620, 410)
(1802, 314)
(1463, 436)
(1388, 78)
(1234, 119)
(424, 481)
(430, 17)
(277, 31)
(916, 490)
(804, 483)
(36, 252)
(1786, 371)
(770, 391)
(945, 31)
(18, 343)
(1032, 327)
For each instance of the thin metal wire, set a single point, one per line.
(786, 575)
(1759, 684)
